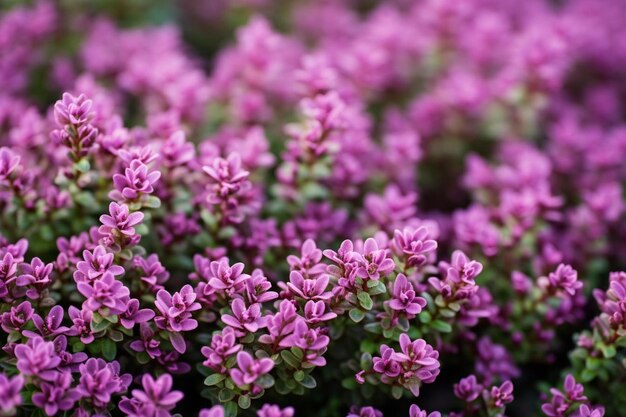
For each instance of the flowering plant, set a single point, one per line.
(277, 209)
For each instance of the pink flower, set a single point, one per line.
(155, 400)
(249, 369)
(175, 314)
(10, 393)
(107, 293)
(315, 312)
(244, 318)
(404, 298)
(37, 358)
(136, 182)
(57, 395)
(309, 289)
(415, 411)
(374, 262)
(120, 221)
(95, 264)
(223, 345)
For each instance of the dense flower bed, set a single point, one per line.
(313, 208)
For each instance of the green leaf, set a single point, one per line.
(365, 300)
(116, 336)
(109, 349)
(441, 326)
(379, 288)
(290, 359)
(82, 165)
(424, 317)
(230, 409)
(366, 361)
(396, 392)
(373, 328)
(266, 381)
(214, 379)
(587, 375)
(225, 395)
(297, 352)
(356, 315)
(299, 376)
(152, 201)
(308, 382)
(244, 402)
(143, 358)
(86, 199)
(608, 351)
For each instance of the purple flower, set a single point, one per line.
(419, 363)
(152, 271)
(458, 277)
(37, 358)
(226, 278)
(386, 364)
(585, 411)
(8, 271)
(249, 369)
(309, 262)
(215, 411)
(148, 342)
(155, 400)
(309, 289)
(95, 264)
(82, 324)
(244, 318)
(311, 341)
(280, 324)
(564, 279)
(493, 361)
(100, 380)
(502, 395)
(73, 116)
(315, 312)
(56, 395)
(17, 317)
(226, 175)
(105, 293)
(176, 151)
(71, 110)
(229, 188)
(415, 411)
(10, 393)
(562, 401)
(9, 163)
(271, 410)
(175, 313)
(136, 182)
(573, 391)
(37, 276)
(257, 288)
(50, 326)
(134, 314)
(69, 361)
(404, 298)
(413, 244)
(374, 262)
(468, 389)
(223, 345)
(364, 412)
(120, 222)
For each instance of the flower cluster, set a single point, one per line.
(279, 208)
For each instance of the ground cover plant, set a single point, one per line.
(322, 208)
